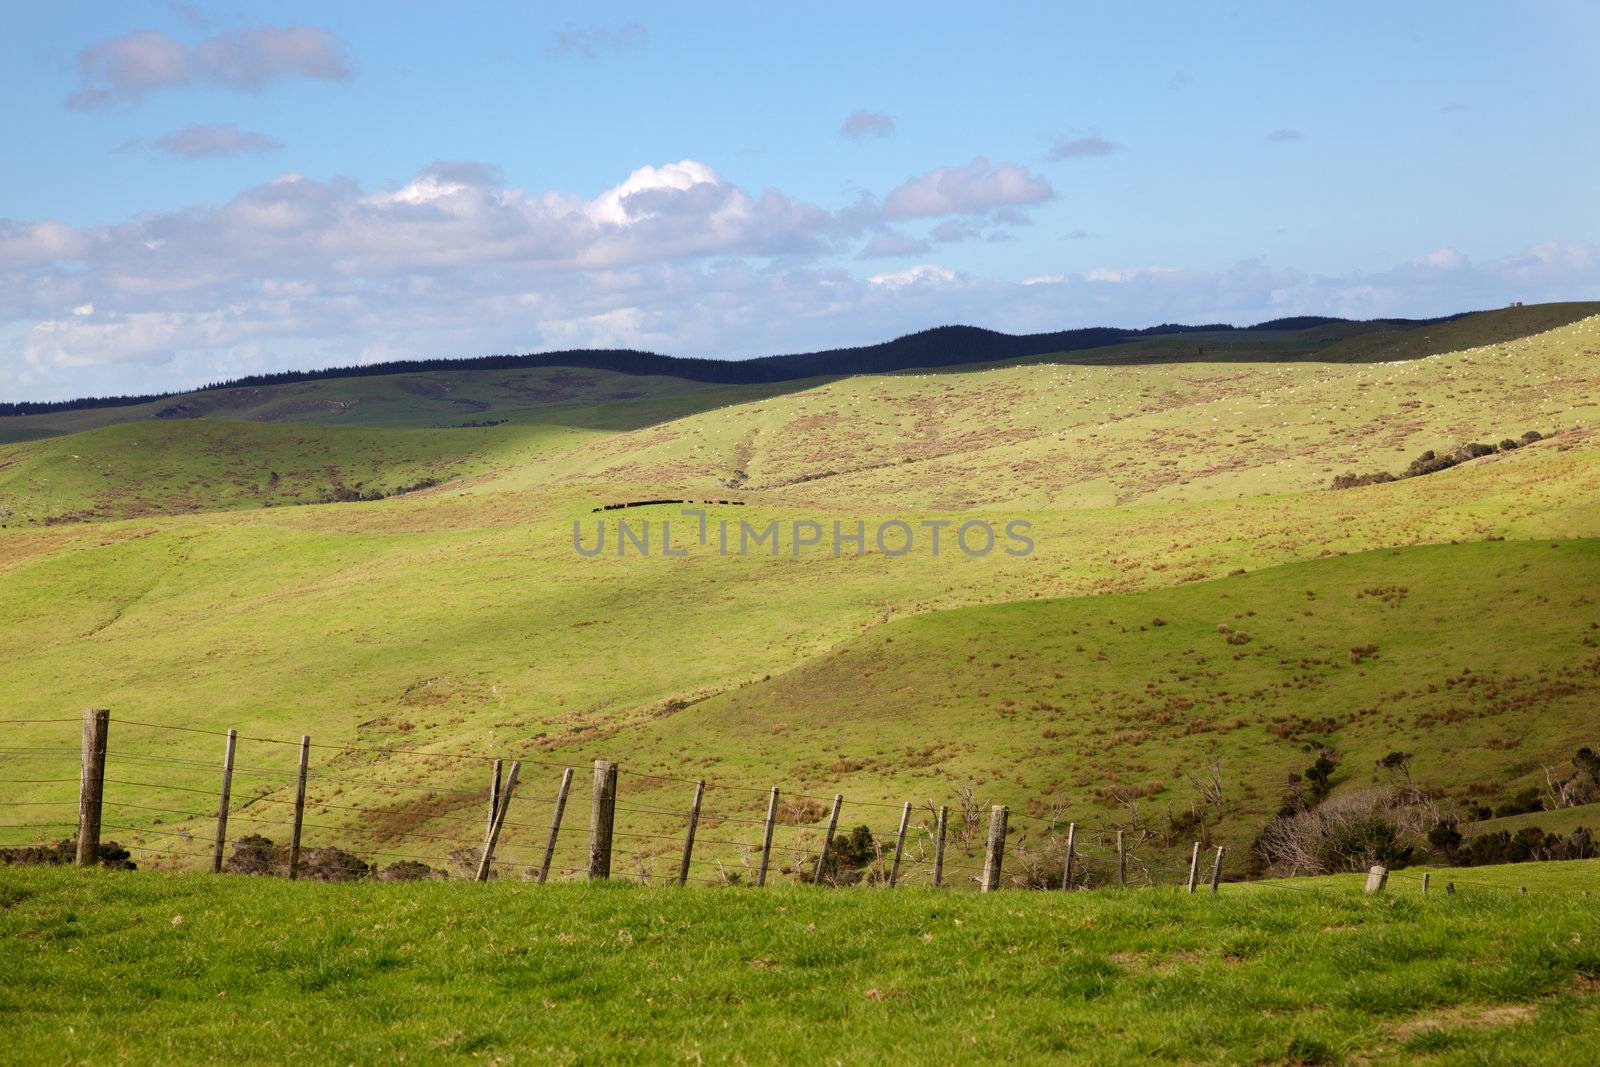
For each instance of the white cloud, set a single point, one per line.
(1441, 259)
(301, 272)
(124, 69)
(928, 274)
(977, 187)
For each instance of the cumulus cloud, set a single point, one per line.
(1082, 147)
(862, 125)
(590, 42)
(125, 69)
(455, 260)
(975, 188)
(1284, 135)
(924, 274)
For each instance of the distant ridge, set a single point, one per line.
(941, 346)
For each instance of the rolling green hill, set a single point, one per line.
(460, 619)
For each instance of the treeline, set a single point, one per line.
(942, 346)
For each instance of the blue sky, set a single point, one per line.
(194, 191)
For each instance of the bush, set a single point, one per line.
(64, 853)
(1350, 832)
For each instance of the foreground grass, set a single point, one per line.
(161, 968)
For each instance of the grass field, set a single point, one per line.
(152, 968)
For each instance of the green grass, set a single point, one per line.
(152, 968)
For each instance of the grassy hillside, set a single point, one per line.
(461, 620)
(149, 968)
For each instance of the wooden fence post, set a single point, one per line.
(555, 825)
(938, 846)
(1194, 865)
(1216, 869)
(1122, 863)
(92, 784)
(994, 851)
(827, 838)
(222, 805)
(766, 838)
(1066, 865)
(1424, 883)
(494, 800)
(487, 859)
(1377, 878)
(1450, 889)
(900, 844)
(688, 839)
(299, 807)
(602, 819)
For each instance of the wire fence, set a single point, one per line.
(393, 812)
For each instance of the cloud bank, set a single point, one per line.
(302, 272)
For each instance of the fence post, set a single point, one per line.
(900, 844)
(602, 818)
(487, 860)
(1122, 863)
(766, 838)
(1216, 869)
(688, 839)
(1377, 878)
(222, 806)
(938, 846)
(1194, 864)
(1424, 883)
(555, 825)
(827, 838)
(299, 807)
(92, 784)
(994, 852)
(1450, 889)
(1066, 865)
(494, 801)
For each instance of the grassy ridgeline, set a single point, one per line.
(154, 968)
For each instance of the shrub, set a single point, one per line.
(65, 853)
(1350, 832)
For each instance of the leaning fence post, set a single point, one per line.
(1194, 864)
(494, 800)
(827, 838)
(994, 852)
(1377, 878)
(1122, 863)
(299, 807)
(602, 818)
(92, 784)
(487, 859)
(688, 838)
(938, 846)
(222, 806)
(1216, 869)
(1424, 883)
(555, 825)
(900, 844)
(766, 838)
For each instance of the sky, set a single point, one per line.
(193, 192)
